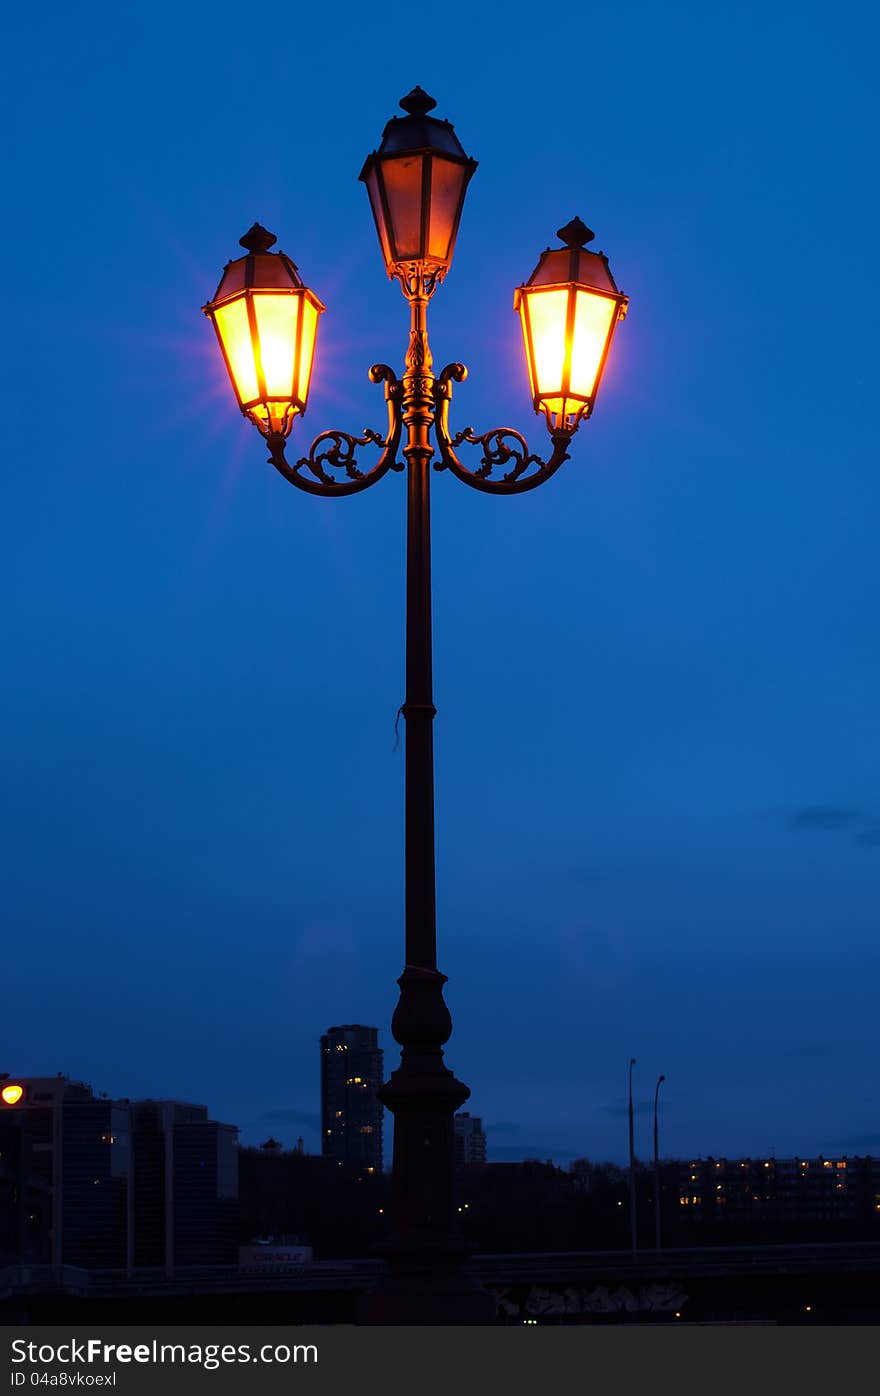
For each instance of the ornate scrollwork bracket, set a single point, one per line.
(502, 446)
(335, 450)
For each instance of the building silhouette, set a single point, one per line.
(185, 1186)
(112, 1184)
(351, 1112)
(722, 1192)
(470, 1139)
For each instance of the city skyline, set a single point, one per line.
(289, 1128)
(657, 679)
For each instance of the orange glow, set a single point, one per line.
(266, 321)
(593, 318)
(269, 353)
(566, 332)
(568, 309)
(277, 318)
(12, 1094)
(547, 314)
(232, 326)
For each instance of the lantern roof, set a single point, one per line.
(418, 131)
(259, 269)
(572, 262)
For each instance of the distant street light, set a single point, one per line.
(657, 1166)
(266, 321)
(632, 1163)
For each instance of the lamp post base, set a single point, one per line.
(426, 1280)
(429, 1294)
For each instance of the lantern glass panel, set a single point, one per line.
(235, 335)
(593, 318)
(547, 312)
(307, 349)
(372, 182)
(447, 180)
(403, 189)
(277, 318)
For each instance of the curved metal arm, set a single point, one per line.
(336, 449)
(496, 448)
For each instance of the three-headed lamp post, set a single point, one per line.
(266, 320)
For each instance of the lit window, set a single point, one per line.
(338, 1114)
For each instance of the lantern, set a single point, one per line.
(569, 308)
(266, 321)
(12, 1094)
(416, 181)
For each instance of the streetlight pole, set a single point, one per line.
(660, 1079)
(266, 321)
(633, 1235)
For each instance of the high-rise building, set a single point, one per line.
(112, 1184)
(470, 1140)
(65, 1170)
(185, 1208)
(351, 1112)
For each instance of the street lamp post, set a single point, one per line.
(266, 321)
(633, 1235)
(660, 1080)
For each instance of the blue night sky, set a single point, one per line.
(657, 677)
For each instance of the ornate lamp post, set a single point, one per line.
(266, 322)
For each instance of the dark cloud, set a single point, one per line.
(857, 1141)
(826, 818)
(291, 1117)
(835, 819)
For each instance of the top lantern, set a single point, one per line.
(569, 309)
(416, 181)
(266, 321)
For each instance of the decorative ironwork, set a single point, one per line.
(334, 450)
(501, 446)
(419, 280)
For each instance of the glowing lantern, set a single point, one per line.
(569, 308)
(266, 321)
(416, 181)
(12, 1094)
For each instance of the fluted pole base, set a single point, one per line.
(426, 1281)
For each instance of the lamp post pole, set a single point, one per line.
(660, 1079)
(632, 1161)
(266, 318)
(425, 1248)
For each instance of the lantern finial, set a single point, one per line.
(257, 239)
(417, 102)
(576, 233)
